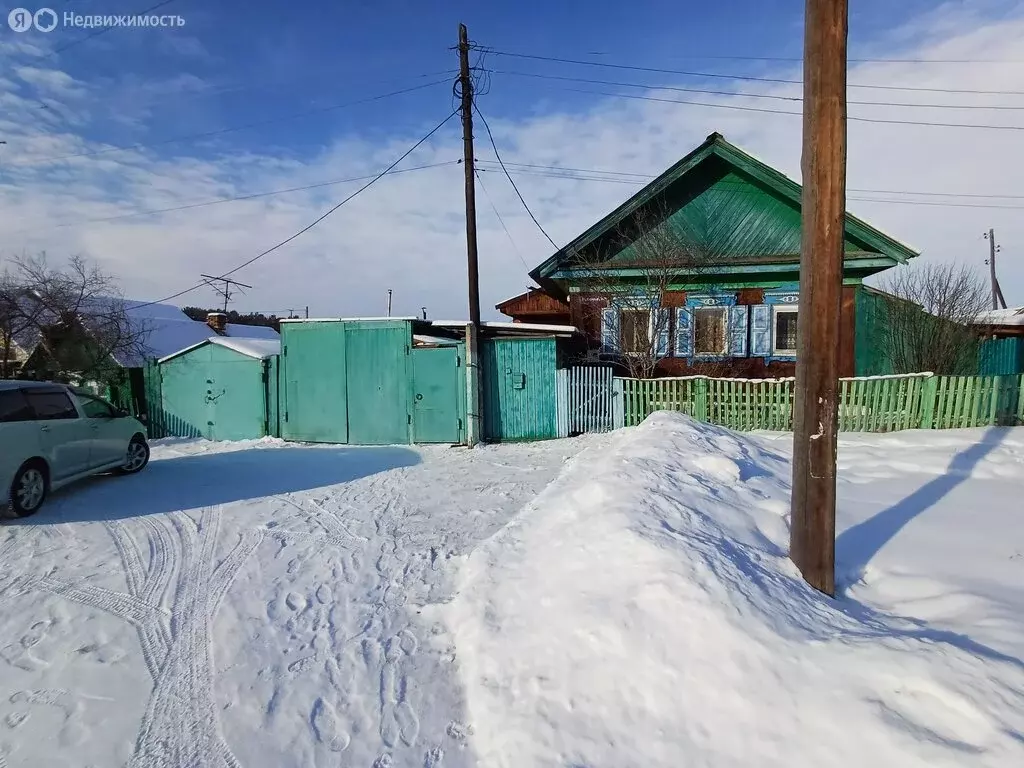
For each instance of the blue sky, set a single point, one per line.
(235, 63)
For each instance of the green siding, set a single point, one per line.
(313, 372)
(377, 359)
(519, 389)
(1001, 356)
(214, 392)
(870, 355)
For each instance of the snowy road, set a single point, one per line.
(250, 605)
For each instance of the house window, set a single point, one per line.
(709, 331)
(784, 337)
(636, 331)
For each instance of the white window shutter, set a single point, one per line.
(760, 330)
(738, 331)
(610, 330)
(684, 332)
(662, 327)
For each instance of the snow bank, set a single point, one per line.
(642, 612)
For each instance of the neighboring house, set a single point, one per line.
(720, 293)
(1002, 351)
(12, 354)
(535, 306)
(1002, 323)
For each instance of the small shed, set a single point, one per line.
(220, 388)
(372, 381)
(519, 363)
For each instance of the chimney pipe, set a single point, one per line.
(218, 321)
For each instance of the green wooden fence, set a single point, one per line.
(874, 404)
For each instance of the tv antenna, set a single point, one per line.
(222, 285)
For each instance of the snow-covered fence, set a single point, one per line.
(872, 404)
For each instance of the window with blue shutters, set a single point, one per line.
(738, 331)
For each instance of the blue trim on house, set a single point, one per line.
(710, 299)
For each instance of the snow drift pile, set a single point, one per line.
(642, 612)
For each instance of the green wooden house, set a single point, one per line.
(701, 270)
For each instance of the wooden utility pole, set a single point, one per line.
(815, 422)
(469, 167)
(993, 249)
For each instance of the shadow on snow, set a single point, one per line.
(857, 545)
(202, 480)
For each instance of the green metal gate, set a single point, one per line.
(519, 389)
(377, 358)
(314, 405)
(438, 393)
(356, 381)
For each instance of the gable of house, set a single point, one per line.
(743, 215)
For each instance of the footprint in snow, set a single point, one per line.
(327, 727)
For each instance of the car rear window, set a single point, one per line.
(14, 406)
(51, 404)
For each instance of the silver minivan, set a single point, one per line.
(52, 435)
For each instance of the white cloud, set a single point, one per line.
(407, 232)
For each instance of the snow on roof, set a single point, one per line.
(261, 349)
(234, 330)
(1011, 316)
(168, 331)
(525, 327)
(345, 319)
(421, 338)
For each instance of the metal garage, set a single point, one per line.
(221, 389)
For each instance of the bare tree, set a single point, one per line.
(663, 251)
(70, 322)
(927, 320)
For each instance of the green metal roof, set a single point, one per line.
(747, 198)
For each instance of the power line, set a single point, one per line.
(103, 31)
(510, 180)
(751, 78)
(766, 110)
(796, 99)
(221, 131)
(501, 220)
(940, 204)
(798, 59)
(316, 221)
(237, 198)
(648, 176)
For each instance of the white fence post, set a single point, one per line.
(618, 404)
(562, 401)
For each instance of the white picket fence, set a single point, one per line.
(586, 400)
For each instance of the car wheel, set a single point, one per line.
(136, 457)
(28, 491)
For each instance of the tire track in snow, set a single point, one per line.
(180, 725)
